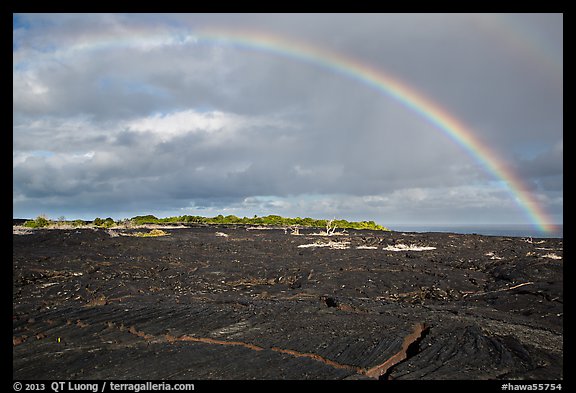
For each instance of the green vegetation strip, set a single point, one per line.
(271, 220)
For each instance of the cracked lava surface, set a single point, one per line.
(255, 305)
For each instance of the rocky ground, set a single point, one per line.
(239, 303)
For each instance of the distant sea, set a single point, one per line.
(486, 229)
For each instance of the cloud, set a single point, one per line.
(134, 113)
(546, 169)
(217, 126)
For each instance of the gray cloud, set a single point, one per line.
(128, 114)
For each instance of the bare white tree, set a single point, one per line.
(330, 229)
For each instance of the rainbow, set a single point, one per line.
(410, 98)
(350, 68)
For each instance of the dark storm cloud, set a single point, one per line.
(126, 113)
(546, 169)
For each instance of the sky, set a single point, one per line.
(301, 115)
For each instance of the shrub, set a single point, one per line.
(108, 222)
(152, 233)
(40, 222)
(141, 220)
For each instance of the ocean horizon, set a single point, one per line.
(513, 230)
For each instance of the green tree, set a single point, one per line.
(40, 222)
(141, 220)
(108, 222)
